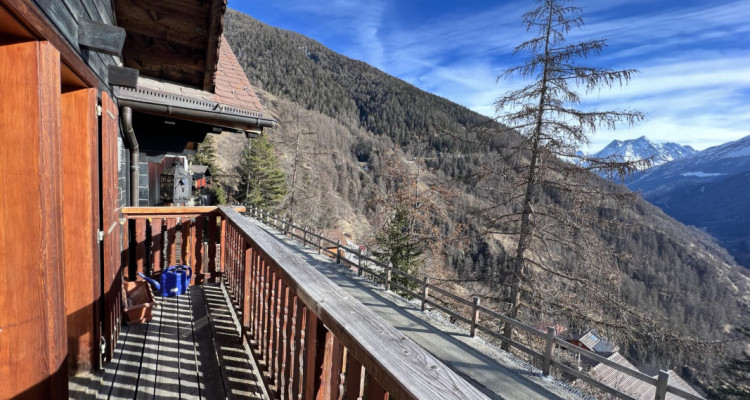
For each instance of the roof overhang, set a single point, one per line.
(176, 40)
(168, 99)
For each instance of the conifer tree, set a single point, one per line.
(400, 246)
(545, 111)
(206, 155)
(262, 182)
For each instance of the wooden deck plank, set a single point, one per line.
(189, 372)
(210, 379)
(240, 380)
(130, 348)
(147, 376)
(189, 350)
(168, 364)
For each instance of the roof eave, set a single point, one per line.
(188, 108)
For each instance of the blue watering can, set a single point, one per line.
(174, 280)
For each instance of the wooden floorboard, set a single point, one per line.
(241, 381)
(168, 359)
(189, 350)
(147, 376)
(211, 380)
(124, 383)
(189, 384)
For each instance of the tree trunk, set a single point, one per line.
(524, 237)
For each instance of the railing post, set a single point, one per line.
(359, 261)
(474, 317)
(425, 291)
(338, 251)
(388, 276)
(304, 236)
(661, 386)
(320, 239)
(548, 350)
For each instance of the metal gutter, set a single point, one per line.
(180, 106)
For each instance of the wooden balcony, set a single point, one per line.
(308, 338)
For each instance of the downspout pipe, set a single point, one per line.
(126, 116)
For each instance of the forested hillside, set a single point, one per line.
(351, 136)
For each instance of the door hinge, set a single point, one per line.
(100, 236)
(98, 111)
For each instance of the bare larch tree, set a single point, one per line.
(545, 111)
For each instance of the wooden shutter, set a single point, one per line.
(113, 230)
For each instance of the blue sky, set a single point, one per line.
(693, 55)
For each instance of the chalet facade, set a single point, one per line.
(93, 96)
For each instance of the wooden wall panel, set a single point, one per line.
(33, 343)
(80, 223)
(113, 230)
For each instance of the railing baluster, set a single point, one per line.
(355, 383)
(290, 373)
(211, 268)
(197, 250)
(374, 390)
(272, 319)
(171, 242)
(140, 245)
(284, 342)
(313, 355)
(277, 346)
(245, 290)
(266, 311)
(184, 251)
(157, 243)
(223, 245)
(299, 379)
(337, 378)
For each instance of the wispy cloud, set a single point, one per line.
(693, 55)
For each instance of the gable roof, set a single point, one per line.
(634, 387)
(597, 343)
(231, 85)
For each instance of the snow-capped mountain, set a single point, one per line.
(710, 190)
(642, 148)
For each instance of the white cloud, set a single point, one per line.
(694, 82)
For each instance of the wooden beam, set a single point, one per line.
(122, 76)
(215, 30)
(178, 211)
(101, 37)
(38, 24)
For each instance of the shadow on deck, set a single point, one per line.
(191, 349)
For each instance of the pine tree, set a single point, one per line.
(262, 182)
(206, 155)
(400, 246)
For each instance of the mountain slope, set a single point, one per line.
(710, 190)
(362, 120)
(642, 148)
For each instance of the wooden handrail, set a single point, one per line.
(401, 367)
(474, 319)
(176, 211)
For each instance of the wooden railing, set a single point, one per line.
(312, 340)
(476, 316)
(164, 236)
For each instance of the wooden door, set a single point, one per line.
(111, 226)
